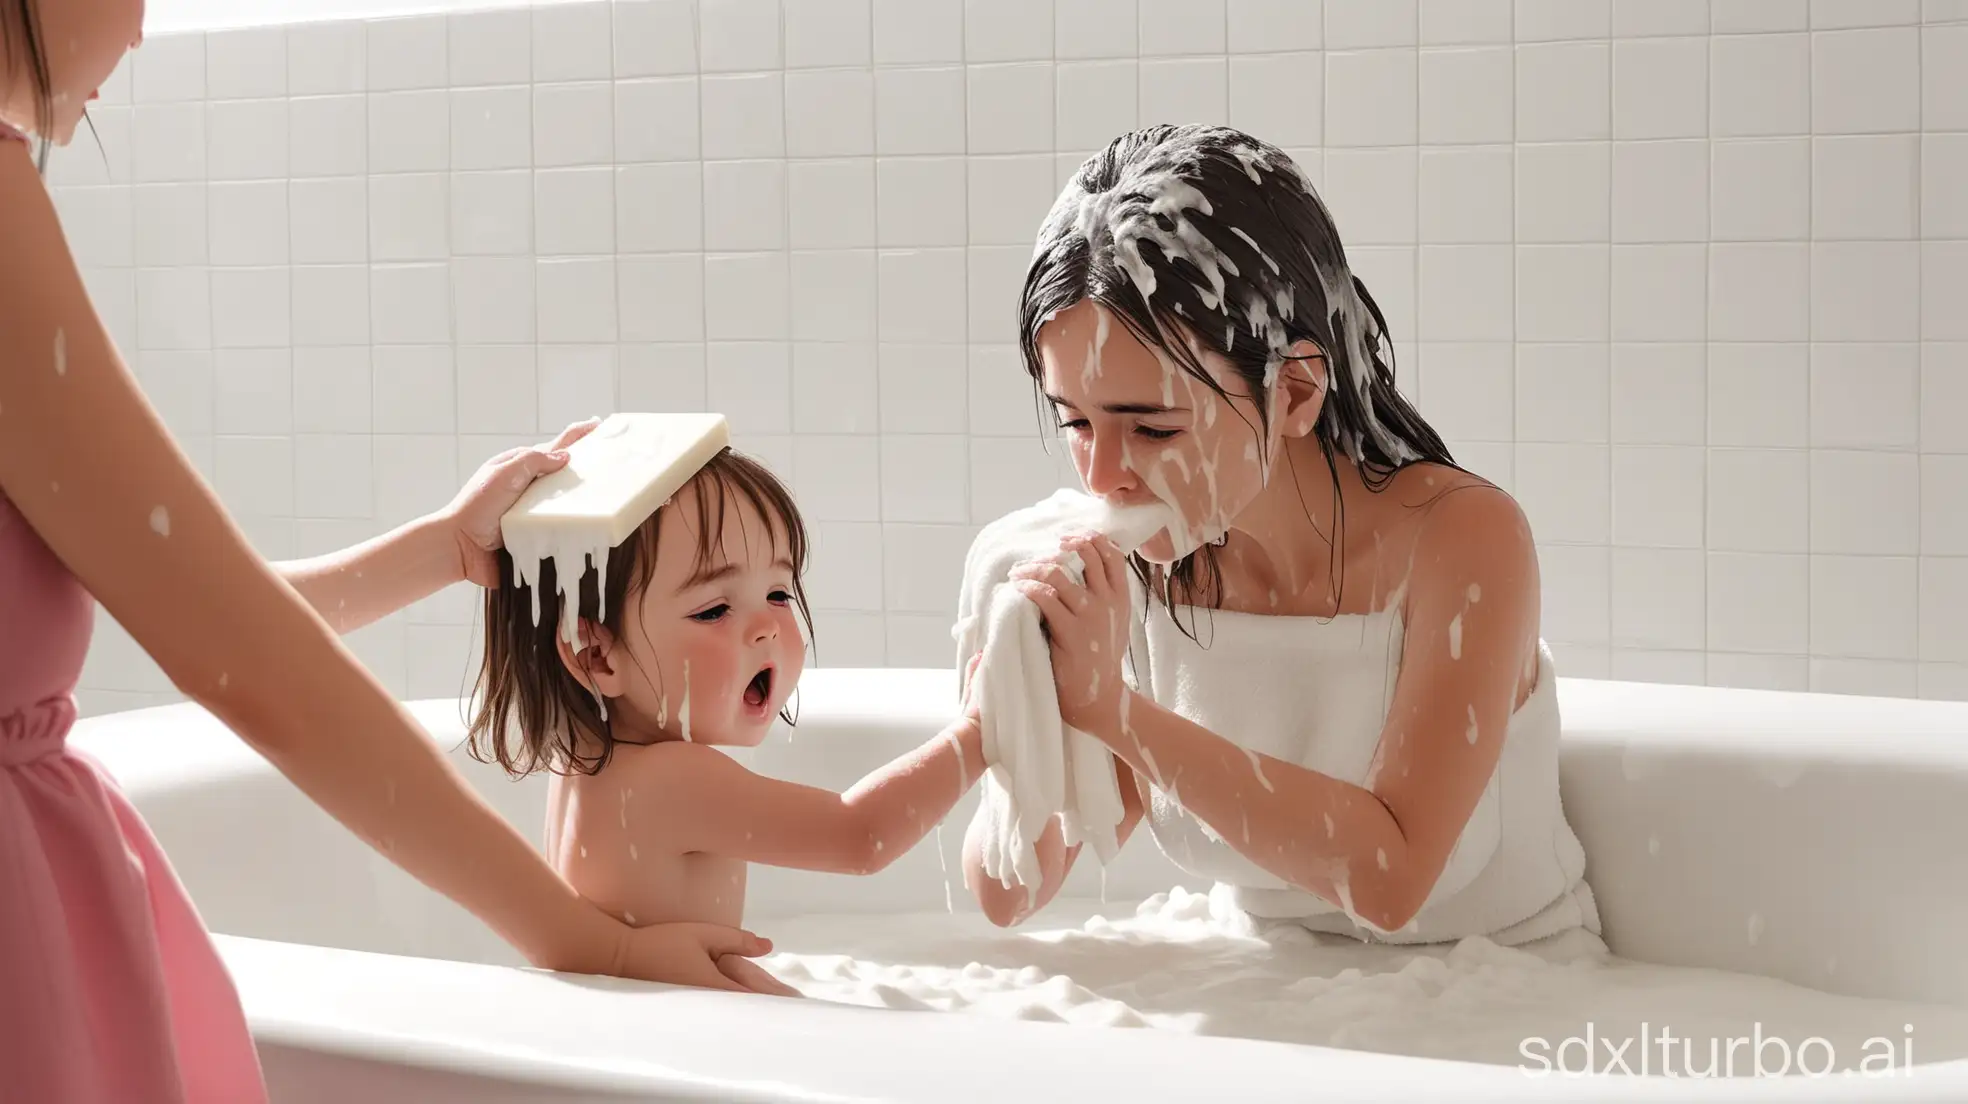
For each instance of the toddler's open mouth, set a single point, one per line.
(759, 691)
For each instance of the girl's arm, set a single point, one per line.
(1376, 850)
(89, 464)
(1007, 906)
(706, 802)
(369, 581)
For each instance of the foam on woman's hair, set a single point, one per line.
(1157, 201)
(623, 471)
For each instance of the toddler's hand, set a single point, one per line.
(474, 514)
(970, 706)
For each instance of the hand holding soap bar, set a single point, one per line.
(615, 477)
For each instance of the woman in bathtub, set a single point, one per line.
(1332, 698)
(696, 645)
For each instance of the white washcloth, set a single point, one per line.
(1039, 766)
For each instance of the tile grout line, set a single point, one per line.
(1613, 647)
(1810, 349)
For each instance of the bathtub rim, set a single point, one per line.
(1130, 1062)
(206, 750)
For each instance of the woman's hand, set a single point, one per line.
(1087, 625)
(474, 515)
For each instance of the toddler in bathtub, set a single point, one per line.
(694, 646)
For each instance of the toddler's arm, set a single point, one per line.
(707, 802)
(367, 582)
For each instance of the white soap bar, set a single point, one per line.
(624, 470)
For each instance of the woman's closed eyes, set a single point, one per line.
(1150, 432)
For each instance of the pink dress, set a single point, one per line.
(110, 987)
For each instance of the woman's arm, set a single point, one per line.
(89, 464)
(1007, 906)
(369, 581)
(704, 801)
(1471, 624)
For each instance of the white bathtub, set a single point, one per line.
(1838, 821)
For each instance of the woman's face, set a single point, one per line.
(82, 41)
(1142, 429)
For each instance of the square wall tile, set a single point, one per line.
(1467, 96)
(1564, 92)
(1279, 97)
(1660, 87)
(1372, 99)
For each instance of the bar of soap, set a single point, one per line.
(624, 470)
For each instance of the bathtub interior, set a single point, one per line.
(1799, 838)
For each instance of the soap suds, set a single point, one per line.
(1191, 963)
(1471, 734)
(61, 351)
(942, 860)
(571, 554)
(1156, 203)
(1455, 637)
(160, 521)
(1257, 768)
(683, 713)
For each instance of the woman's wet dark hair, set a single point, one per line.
(1203, 233)
(532, 713)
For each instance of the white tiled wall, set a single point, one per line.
(1689, 277)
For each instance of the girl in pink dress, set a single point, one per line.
(110, 987)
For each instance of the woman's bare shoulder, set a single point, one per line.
(1461, 528)
(1426, 485)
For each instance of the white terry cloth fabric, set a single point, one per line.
(1039, 766)
(1315, 691)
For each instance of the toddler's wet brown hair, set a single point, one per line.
(532, 712)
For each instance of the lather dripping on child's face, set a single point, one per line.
(700, 634)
